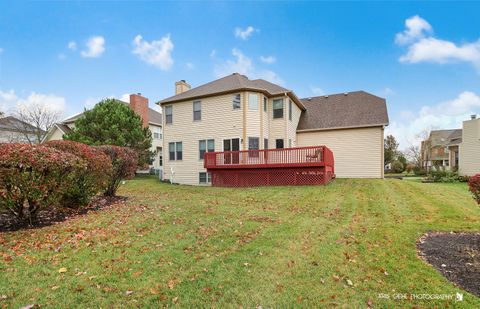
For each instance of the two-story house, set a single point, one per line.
(139, 104)
(455, 149)
(235, 113)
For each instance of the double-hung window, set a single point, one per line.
(290, 110)
(197, 110)
(236, 101)
(265, 104)
(253, 101)
(277, 108)
(205, 145)
(265, 143)
(168, 114)
(279, 143)
(175, 151)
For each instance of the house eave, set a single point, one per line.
(343, 128)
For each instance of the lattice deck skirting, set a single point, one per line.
(271, 177)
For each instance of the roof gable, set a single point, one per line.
(346, 110)
(231, 83)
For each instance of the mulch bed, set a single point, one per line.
(455, 255)
(55, 215)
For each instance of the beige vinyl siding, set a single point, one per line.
(469, 149)
(156, 144)
(278, 126)
(219, 121)
(292, 125)
(265, 124)
(56, 135)
(358, 153)
(253, 117)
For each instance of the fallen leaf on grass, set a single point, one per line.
(62, 270)
(128, 293)
(349, 282)
(54, 287)
(175, 300)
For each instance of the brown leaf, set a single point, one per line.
(62, 270)
(175, 300)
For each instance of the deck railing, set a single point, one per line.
(270, 158)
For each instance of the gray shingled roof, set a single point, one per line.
(445, 137)
(346, 110)
(11, 123)
(230, 83)
(153, 116)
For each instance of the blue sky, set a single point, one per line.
(71, 54)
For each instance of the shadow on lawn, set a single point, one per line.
(9, 223)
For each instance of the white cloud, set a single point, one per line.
(268, 59)
(440, 51)
(10, 101)
(125, 97)
(317, 90)
(444, 115)
(49, 101)
(244, 33)
(416, 28)
(213, 53)
(387, 92)
(72, 45)
(189, 66)
(95, 47)
(90, 102)
(244, 65)
(156, 53)
(423, 47)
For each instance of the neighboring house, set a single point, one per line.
(469, 148)
(435, 149)
(139, 104)
(235, 113)
(13, 130)
(454, 149)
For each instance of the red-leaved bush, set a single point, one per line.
(34, 177)
(474, 187)
(124, 163)
(90, 181)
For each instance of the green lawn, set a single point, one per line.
(215, 247)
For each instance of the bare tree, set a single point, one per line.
(414, 154)
(35, 121)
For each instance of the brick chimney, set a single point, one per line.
(140, 105)
(181, 86)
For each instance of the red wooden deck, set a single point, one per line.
(312, 165)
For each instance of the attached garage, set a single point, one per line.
(352, 126)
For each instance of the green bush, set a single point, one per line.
(397, 166)
(419, 171)
(90, 181)
(439, 175)
(124, 164)
(33, 178)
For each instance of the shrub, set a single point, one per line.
(33, 178)
(124, 164)
(90, 181)
(419, 171)
(474, 187)
(409, 168)
(397, 166)
(439, 175)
